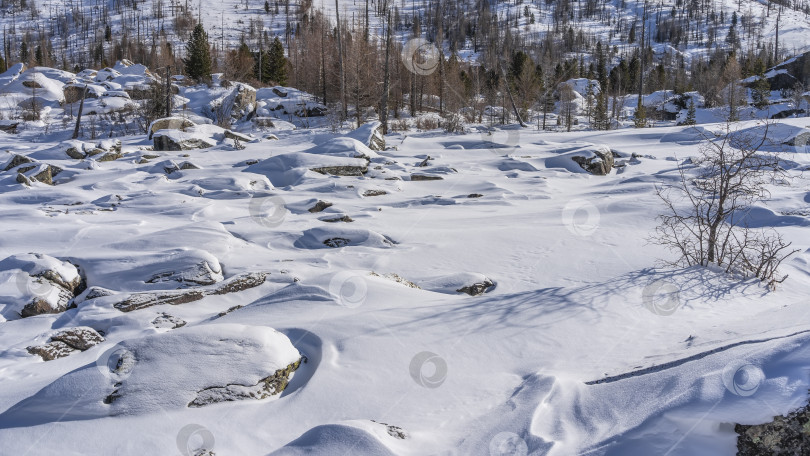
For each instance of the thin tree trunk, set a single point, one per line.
(386, 78)
(344, 108)
(79, 116)
(511, 99)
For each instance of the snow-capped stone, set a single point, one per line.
(371, 135)
(169, 123)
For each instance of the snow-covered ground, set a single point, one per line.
(582, 346)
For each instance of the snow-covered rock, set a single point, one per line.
(66, 342)
(349, 437)
(167, 371)
(181, 140)
(169, 123)
(371, 135)
(291, 168)
(337, 236)
(34, 284)
(593, 158)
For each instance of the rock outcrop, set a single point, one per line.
(784, 436)
(169, 123)
(67, 342)
(142, 300)
(597, 161)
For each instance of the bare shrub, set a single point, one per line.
(427, 123)
(399, 125)
(453, 123)
(705, 218)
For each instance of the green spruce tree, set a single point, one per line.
(198, 62)
(761, 88)
(601, 118)
(277, 63)
(690, 113)
(640, 118)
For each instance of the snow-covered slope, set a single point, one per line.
(82, 26)
(206, 280)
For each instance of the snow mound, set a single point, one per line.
(335, 237)
(350, 437)
(344, 147)
(453, 283)
(144, 375)
(566, 160)
(33, 86)
(171, 269)
(369, 134)
(290, 169)
(287, 101)
(11, 74)
(35, 277)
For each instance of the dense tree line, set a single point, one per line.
(345, 63)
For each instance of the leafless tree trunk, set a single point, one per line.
(386, 77)
(344, 108)
(79, 116)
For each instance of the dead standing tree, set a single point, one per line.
(705, 219)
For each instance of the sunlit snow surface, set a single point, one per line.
(577, 298)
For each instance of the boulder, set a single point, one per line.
(266, 387)
(16, 161)
(597, 161)
(237, 104)
(176, 140)
(785, 435)
(169, 123)
(230, 134)
(81, 337)
(208, 271)
(108, 149)
(476, 289)
(371, 135)
(320, 206)
(73, 93)
(42, 172)
(143, 300)
(223, 368)
(264, 122)
(41, 284)
(8, 126)
(51, 350)
(801, 139)
(166, 321)
(424, 177)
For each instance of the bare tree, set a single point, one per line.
(568, 105)
(797, 96)
(705, 218)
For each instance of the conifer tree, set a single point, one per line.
(198, 62)
(690, 113)
(640, 119)
(601, 119)
(277, 63)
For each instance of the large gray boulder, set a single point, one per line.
(37, 172)
(67, 342)
(597, 160)
(175, 140)
(237, 104)
(38, 284)
(371, 135)
(169, 123)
